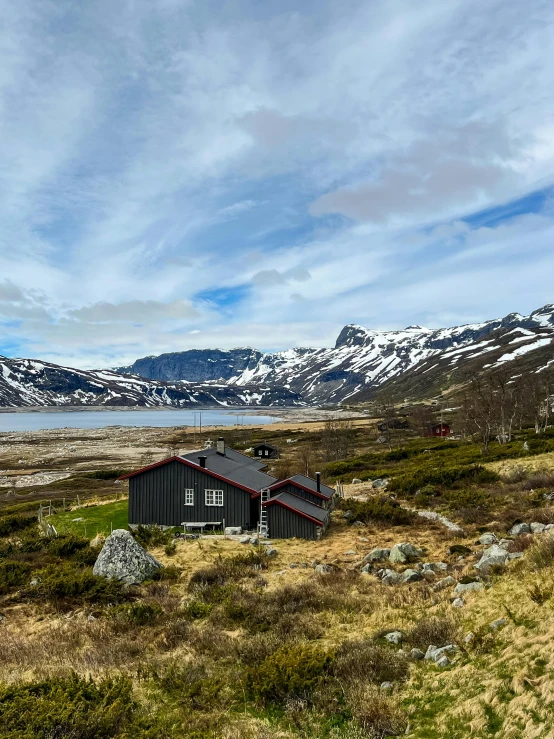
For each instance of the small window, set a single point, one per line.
(189, 496)
(214, 497)
(266, 452)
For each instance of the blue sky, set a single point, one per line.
(180, 174)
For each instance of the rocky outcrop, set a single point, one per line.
(404, 553)
(123, 559)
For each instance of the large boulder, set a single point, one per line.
(404, 553)
(494, 556)
(122, 558)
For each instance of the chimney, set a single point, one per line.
(318, 481)
(202, 461)
(221, 446)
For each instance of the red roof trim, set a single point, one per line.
(187, 463)
(294, 510)
(277, 485)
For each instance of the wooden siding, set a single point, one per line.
(158, 496)
(285, 524)
(291, 488)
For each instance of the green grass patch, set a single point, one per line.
(98, 519)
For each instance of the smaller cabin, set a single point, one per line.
(439, 429)
(393, 423)
(266, 451)
(289, 516)
(305, 487)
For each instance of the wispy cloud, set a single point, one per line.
(180, 174)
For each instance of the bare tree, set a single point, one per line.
(337, 440)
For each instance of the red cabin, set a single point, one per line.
(438, 429)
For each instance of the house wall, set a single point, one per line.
(290, 488)
(285, 524)
(158, 496)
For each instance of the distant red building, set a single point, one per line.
(439, 429)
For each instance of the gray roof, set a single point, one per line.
(307, 482)
(269, 446)
(301, 505)
(234, 466)
(231, 454)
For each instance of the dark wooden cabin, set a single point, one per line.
(289, 516)
(266, 451)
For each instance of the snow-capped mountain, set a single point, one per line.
(28, 382)
(362, 360)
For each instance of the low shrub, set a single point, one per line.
(540, 593)
(170, 548)
(364, 660)
(12, 524)
(169, 574)
(436, 630)
(191, 685)
(73, 707)
(13, 575)
(380, 509)
(230, 569)
(292, 672)
(443, 477)
(196, 609)
(104, 474)
(66, 582)
(541, 554)
(136, 614)
(152, 536)
(66, 545)
(467, 498)
(377, 714)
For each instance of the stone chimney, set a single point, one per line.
(221, 446)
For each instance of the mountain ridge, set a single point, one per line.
(361, 361)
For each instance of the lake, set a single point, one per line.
(39, 420)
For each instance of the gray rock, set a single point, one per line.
(488, 539)
(348, 515)
(443, 661)
(253, 539)
(322, 569)
(514, 555)
(416, 654)
(377, 555)
(498, 624)
(394, 637)
(410, 576)
(428, 575)
(458, 603)
(404, 553)
(386, 686)
(294, 566)
(446, 582)
(435, 566)
(356, 481)
(393, 578)
(494, 556)
(466, 587)
(366, 568)
(505, 543)
(357, 524)
(122, 558)
(433, 516)
(35, 582)
(90, 618)
(469, 637)
(244, 540)
(435, 653)
(520, 528)
(363, 538)
(271, 551)
(380, 483)
(537, 528)
(233, 531)
(549, 527)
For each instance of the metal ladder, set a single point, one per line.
(263, 529)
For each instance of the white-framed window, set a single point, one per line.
(214, 497)
(267, 452)
(189, 496)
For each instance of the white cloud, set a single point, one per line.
(156, 150)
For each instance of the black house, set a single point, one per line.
(266, 451)
(289, 516)
(220, 486)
